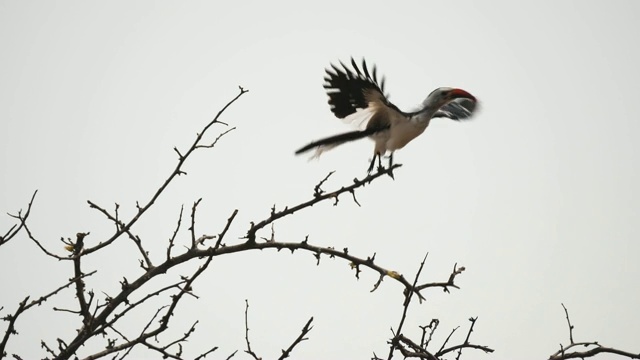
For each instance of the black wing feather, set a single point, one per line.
(347, 88)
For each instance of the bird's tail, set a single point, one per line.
(333, 141)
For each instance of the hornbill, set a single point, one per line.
(357, 96)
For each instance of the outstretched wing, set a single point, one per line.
(354, 95)
(457, 109)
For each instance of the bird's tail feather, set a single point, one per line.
(335, 140)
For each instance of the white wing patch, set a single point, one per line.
(360, 118)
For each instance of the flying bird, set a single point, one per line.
(356, 96)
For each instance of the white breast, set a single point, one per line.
(403, 132)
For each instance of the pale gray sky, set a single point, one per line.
(537, 196)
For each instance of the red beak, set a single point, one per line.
(459, 93)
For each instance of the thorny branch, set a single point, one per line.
(217, 250)
(80, 293)
(285, 353)
(175, 233)
(246, 331)
(319, 196)
(226, 228)
(105, 318)
(94, 320)
(305, 330)
(411, 349)
(566, 314)
(595, 347)
(445, 285)
(465, 344)
(176, 172)
(24, 306)
(394, 342)
(101, 317)
(433, 326)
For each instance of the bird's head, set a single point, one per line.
(443, 95)
(453, 103)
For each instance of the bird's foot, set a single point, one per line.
(391, 166)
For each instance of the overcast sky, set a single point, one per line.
(537, 196)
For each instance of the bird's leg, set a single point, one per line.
(380, 167)
(390, 165)
(373, 161)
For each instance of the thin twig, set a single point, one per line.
(405, 309)
(176, 172)
(566, 313)
(226, 228)
(246, 331)
(445, 285)
(317, 190)
(175, 233)
(192, 229)
(15, 229)
(305, 330)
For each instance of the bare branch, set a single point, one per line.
(433, 325)
(22, 219)
(192, 229)
(251, 234)
(564, 353)
(120, 225)
(131, 306)
(246, 331)
(175, 233)
(204, 354)
(216, 140)
(80, 295)
(420, 351)
(176, 172)
(447, 339)
(226, 228)
(43, 249)
(396, 339)
(445, 285)
(566, 313)
(24, 306)
(464, 345)
(598, 349)
(305, 330)
(317, 190)
(101, 317)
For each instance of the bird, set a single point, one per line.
(356, 96)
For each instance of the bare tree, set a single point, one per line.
(100, 318)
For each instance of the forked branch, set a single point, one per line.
(593, 348)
